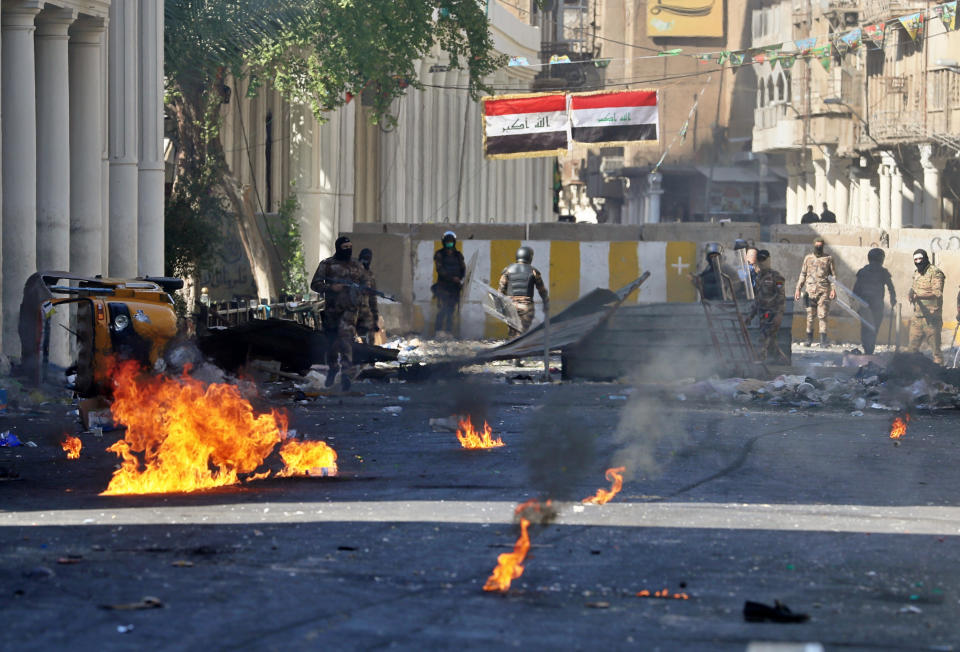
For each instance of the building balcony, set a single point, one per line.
(775, 128)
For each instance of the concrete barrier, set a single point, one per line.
(403, 264)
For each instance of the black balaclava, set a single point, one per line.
(818, 247)
(923, 264)
(365, 257)
(343, 253)
(875, 256)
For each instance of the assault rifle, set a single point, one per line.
(360, 287)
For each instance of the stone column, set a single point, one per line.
(19, 233)
(887, 162)
(873, 200)
(932, 166)
(654, 192)
(853, 177)
(124, 138)
(53, 159)
(840, 168)
(820, 185)
(794, 189)
(896, 198)
(151, 171)
(86, 144)
(865, 190)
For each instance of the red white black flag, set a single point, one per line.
(614, 117)
(520, 126)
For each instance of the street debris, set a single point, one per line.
(69, 559)
(445, 423)
(904, 383)
(148, 602)
(123, 629)
(393, 410)
(72, 445)
(603, 496)
(469, 438)
(757, 612)
(510, 564)
(9, 439)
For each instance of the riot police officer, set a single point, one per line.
(517, 281)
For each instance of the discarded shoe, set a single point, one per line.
(331, 375)
(757, 612)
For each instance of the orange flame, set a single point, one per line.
(72, 446)
(183, 435)
(509, 564)
(470, 438)
(665, 594)
(899, 427)
(603, 496)
(307, 458)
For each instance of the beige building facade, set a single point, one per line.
(877, 135)
(82, 143)
(428, 168)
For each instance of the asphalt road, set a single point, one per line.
(816, 509)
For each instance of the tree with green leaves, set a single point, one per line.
(317, 53)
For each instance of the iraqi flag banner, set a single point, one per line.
(524, 126)
(614, 117)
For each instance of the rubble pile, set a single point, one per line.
(417, 350)
(907, 381)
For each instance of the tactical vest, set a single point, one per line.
(450, 263)
(520, 280)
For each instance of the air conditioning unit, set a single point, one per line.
(611, 165)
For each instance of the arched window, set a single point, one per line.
(770, 90)
(781, 89)
(762, 93)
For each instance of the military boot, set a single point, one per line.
(809, 341)
(823, 341)
(331, 375)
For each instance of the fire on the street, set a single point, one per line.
(72, 446)
(510, 564)
(603, 496)
(899, 427)
(184, 435)
(470, 438)
(664, 594)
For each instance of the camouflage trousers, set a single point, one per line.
(526, 312)
(341, 331)
(926, 328)
(818, 306)
(769, 329)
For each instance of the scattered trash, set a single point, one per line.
(445, 423)
(856, 413)
(597, 605)
(30, 444)
(403, 398)
(395, 410)
(617, 397)
(148, 602)
(757, 612)
(39, 573)
(70, 559)
(123, 629)
(9, 439)
(910, 609)
(182, 563)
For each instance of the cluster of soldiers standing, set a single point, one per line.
(817, 288)
(349, 290)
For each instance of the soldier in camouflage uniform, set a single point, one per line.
(368, 317)
(517, 282)
(339, 279)
(770, 304)
(926, 295)
(816, 283)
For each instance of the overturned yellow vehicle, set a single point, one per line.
(115, 318)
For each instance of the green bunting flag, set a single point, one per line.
(669, 53)
(736, 58)
(948, 14)
(724, 55)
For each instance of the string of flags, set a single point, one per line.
(822, 48)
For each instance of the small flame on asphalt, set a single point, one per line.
(603, 496)
(72, 446)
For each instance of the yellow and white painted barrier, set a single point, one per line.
(570, 270)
